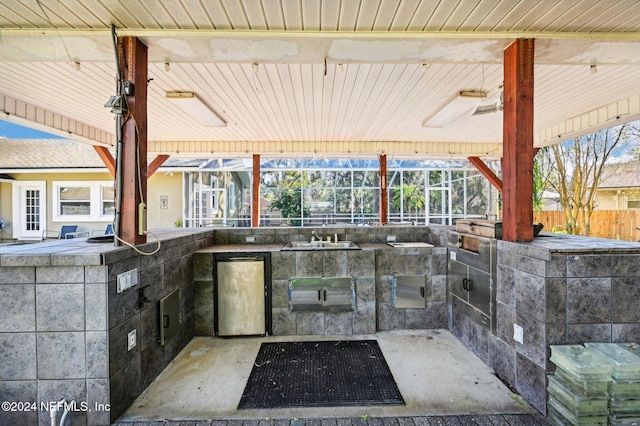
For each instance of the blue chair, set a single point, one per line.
(65, 233)
(108, 231)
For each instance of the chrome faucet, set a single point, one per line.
(315, 235)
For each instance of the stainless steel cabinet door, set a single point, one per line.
(241, 298)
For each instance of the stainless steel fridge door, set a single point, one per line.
(241, 298)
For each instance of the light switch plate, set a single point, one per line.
(518, 333)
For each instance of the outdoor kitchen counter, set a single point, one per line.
(250, 248)
(543, 246)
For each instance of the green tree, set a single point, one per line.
(573, 169)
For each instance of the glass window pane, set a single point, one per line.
(75, 193)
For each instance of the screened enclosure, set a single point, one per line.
(341, 192)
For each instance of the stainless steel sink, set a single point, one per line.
(320, 245)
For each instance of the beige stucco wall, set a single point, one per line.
(158, 185)
(6, 209)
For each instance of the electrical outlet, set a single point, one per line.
(391, 238)
(250, 240)
(126, 280)
(131, 339)
(518, 333)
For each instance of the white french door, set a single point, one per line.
(29, 213)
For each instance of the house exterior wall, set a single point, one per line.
(616, 199)
(159, 185)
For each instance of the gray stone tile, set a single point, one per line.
(503, 357)
(436, 314)
(311, 323)
(365, 291)
(589, 266)
(97, 355)
(283, 322)
(530, 265)
(97, 400)
(121, 306)
(588, 300)
(626, 294)
(531, 382)
(50, 391)
(152, 279)
(506, 286)
(556, 300)
(622, 333)
(25, 259)
(437, 290)
(361, 263)
(439, 261)
(364, 320)
(121, 266)
(557, 266)
(203, 266)
(177, 272)
(530, 295)
(309, 264)
(153, 362)
(18, 355)
(505, 318)
(626, 265)
(149, 334)
(125, 386)
(17, 275)
(418, 319)
(335, 263)
(534, 339)
(580, 333)
(60, 307)
(390, 318)
(14, 391)
(283, 265)
(338, 323)
(17, 308)
(95, 274)
(59, 274)
(280, 294)
(419, 263)
(53, 348)
(96, 306)
(389, 262)
(119, 355)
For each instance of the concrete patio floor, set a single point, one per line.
(435, 373)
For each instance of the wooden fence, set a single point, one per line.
(614, 224)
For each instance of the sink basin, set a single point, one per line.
(320, 245)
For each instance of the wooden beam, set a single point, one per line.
(486, 172)
(155, 164)
(107, 158)
(255, 192)
(134, 64)
(517, 160)
(383, 189)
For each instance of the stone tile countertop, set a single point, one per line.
(251, 248)
(568, 244)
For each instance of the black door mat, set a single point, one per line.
(320, 374)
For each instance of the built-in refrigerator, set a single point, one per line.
(242, 299)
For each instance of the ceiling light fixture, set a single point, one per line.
(463, 103)
(190, 103)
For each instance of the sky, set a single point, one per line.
(10, 130)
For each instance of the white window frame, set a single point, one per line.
(95, 201)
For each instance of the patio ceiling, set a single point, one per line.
(390, 65)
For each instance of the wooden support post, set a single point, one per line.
(486, 172)
(383, 189)
(134, 141)
(255, 193)
(155, 164)
(517, 161)
(107, 158)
